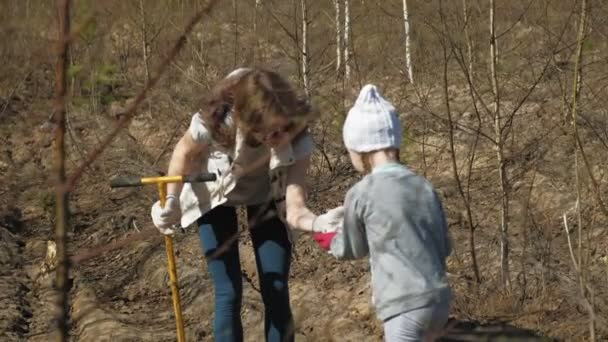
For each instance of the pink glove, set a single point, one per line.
(324, 239)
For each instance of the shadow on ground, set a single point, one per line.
(492, 331)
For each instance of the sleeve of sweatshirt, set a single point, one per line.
(351, 242)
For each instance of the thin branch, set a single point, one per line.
(166, 145)
(130, 111)
(521, 15)
(596, 186)
(285, 29)
(10, 96)
(572, 257)
(508, 124)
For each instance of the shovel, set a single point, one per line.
(161, 183)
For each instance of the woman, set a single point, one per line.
(251, 132)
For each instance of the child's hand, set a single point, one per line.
(324, 239)
(331, 221)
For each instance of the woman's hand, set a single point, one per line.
(186, 154)
(166, 217)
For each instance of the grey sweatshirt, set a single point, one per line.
(396, 218)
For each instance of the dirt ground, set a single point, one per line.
(123, 294)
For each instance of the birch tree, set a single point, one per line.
(235, 22)
(144, 39)
(346, 39)
(467, 34)
(305, 55)
(256, 47)
(579, 263)
(499, 147)
(408, 58)
(337, 8)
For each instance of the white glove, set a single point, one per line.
(165, 218)
(329, 222)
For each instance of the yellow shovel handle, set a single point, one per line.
(175, 289)
(119, 182)
(181, 337)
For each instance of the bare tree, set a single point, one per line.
(347, 29)
(305, 54)
(61, 188)
(337, 8)
(256, 47)
(467, 218)
(467, 34)
(578, 262)
(235, 18)
(144, 39)
(499, 147)
(408, 57)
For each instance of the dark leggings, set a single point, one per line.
(218, 230)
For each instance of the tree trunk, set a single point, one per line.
(338, 37)
(347, 39)
(305, 56)
(408, 58)
(467, 198)
(455, 172)
(144, 39)
(499, 146)
(296, 36)
(256, 44)
(467, 35)
(579, 263)
(236, 32)
(61, 189)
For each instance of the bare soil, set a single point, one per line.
(123, 294)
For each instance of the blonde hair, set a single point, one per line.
(366, 156)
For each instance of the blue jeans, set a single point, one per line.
(218, 231)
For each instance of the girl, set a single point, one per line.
(251, 132)
(395, 217)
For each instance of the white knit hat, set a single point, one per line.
(372, 123)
